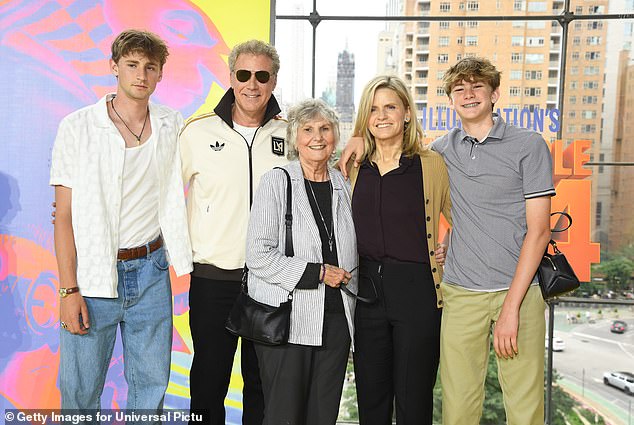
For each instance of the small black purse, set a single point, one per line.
(256, 321)
(556, 276)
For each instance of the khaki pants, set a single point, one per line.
(467, 322)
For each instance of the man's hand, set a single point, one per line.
(505, 333)
(353, 151)
(440, 253)
(74, 313)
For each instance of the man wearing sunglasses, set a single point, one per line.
(224, 154)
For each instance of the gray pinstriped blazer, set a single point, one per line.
(272, 275)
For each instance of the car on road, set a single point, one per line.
(621, 380)
(558, 344)
(618, 327)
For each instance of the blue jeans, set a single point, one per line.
(143, 309)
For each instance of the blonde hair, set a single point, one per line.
(413, 131)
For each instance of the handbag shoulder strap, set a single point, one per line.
(552, 242)
(288, 217)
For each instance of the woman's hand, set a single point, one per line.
(335, 276)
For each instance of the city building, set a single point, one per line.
(345, 94)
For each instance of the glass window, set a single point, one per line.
(471, 40)
(517, 40)
(473, 6)
(536, 6)
(519, 5)
(536, 25)
(445, 7)
(514, 91)
(515, 75)
(589, 100)
(443, 58)
(533, 75)
(593, 40)
(534, 58)
(589, 114)
(443, 41)
(532, 91)
(444, 25)
(595, 25)
(535, 41)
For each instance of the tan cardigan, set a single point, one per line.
(437, 200)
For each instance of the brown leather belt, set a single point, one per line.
(139, 251)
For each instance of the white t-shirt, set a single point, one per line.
(139, 223)
(247, 132)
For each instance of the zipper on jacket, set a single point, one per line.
(249, 149)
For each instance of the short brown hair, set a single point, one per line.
(138, 41)
(471, 69)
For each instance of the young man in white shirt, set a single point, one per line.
(120, 211)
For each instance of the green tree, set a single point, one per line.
(617, 272)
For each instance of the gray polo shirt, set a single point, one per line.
(490, 182)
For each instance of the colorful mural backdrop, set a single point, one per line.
(54, 60)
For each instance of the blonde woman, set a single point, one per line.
(399, 191)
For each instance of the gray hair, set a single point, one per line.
(254, 47)
(303, 112)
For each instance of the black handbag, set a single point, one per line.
(556, 276)
(256, 321)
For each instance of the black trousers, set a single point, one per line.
(303, 384)
(397, 344)
(210, 302)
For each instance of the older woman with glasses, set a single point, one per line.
(303, 380)
(400, 189)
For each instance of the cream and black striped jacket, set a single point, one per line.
(272, 275)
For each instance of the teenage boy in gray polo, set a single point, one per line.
(501, 184)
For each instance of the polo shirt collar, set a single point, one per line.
(496, 132)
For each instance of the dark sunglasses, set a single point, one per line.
(244, 75)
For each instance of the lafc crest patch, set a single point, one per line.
(277, 145)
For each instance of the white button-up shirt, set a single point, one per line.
(88, 157)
